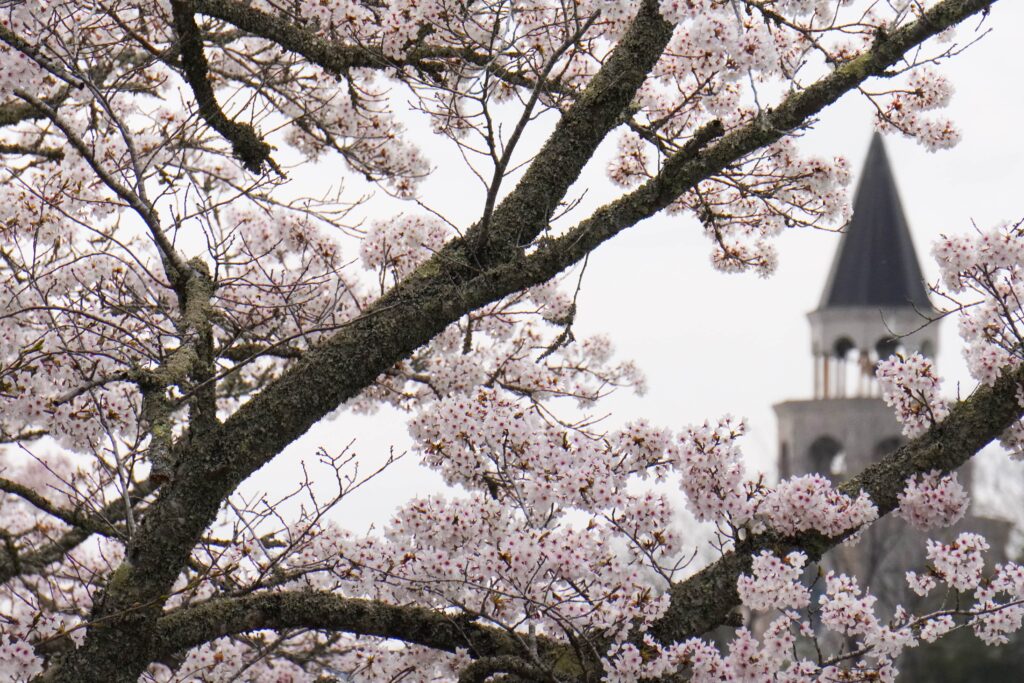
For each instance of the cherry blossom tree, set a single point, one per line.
(179, 306)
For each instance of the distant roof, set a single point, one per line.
(876, 264)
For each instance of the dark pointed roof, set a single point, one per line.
(876, 264)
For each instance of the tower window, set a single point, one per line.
(886, 347)
(828, 457)
(842, 347)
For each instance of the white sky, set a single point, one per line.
(711, 343)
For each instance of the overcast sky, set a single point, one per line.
(711, 343)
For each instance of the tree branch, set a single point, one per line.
(247, 145)
(337, 58)
(71, 517)
(14, 113)
(482, 670)
(48, 153)
(192, 360)
(103, 522)
(191, 626)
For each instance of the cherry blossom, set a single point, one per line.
(959, 564)
(810, 502)
(911, 387)
(775, 583)
(933, 500)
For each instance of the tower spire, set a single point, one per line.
(875, 301)
(876, 264)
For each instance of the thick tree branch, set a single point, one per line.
(247, 145)
(483, 669)
(14, 113)
(191, 361)
(191, 626)
(27, 435)
(48, 153)
(337, 58)
(246, 352)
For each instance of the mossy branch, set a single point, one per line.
(250, 149)
(191, 626)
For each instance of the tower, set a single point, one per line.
(875, 303)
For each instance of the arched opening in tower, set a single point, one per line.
(828, 457)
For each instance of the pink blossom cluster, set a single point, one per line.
(282, 262)
(809, 502)
(935, 628)
(870, 645)
(522, 345)
(844, 609)
(744, 211)
(747, 659)
(529, 477)
(17, 70)
(774, 583)
(911, 387)
(1000, 600)
(477, 552)
(984, 277)
(922, 584)
(18, 659)
(902, 109)
(959, 564)
(933, 500)
(712, 472)
(987, 268)
(1013, 440)
(398, 246)
(630, 166)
